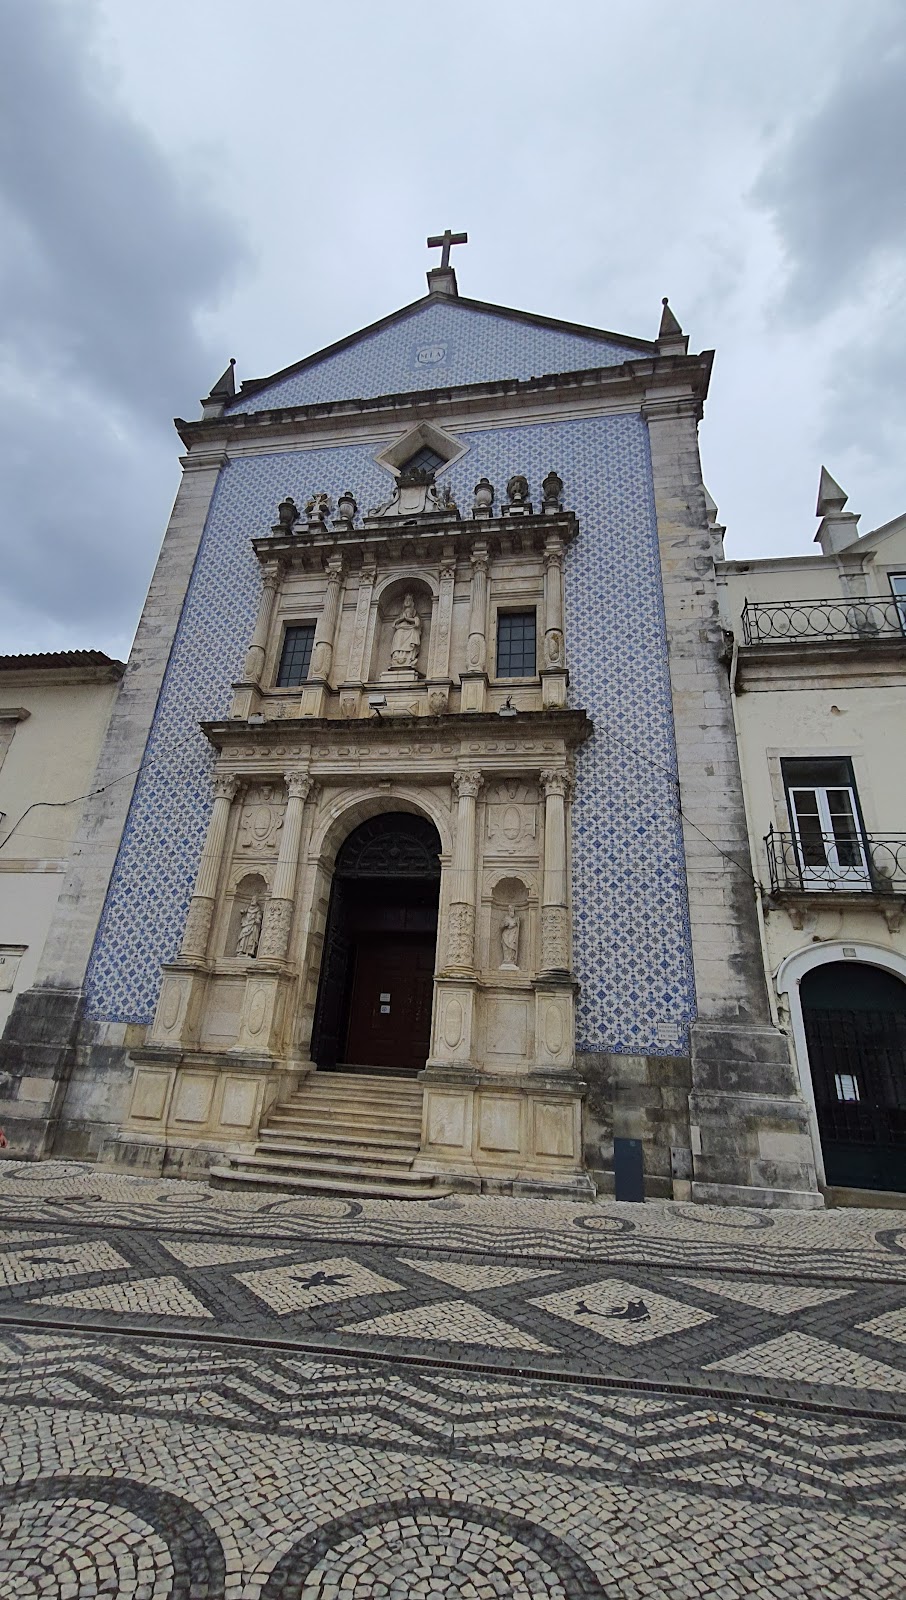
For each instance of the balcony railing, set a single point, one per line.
(819, 863)
(789, 621)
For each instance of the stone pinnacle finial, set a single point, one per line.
(225, 387)
(669, 327)
(831, 497)
(838, 528)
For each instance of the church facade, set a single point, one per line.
(433, 871)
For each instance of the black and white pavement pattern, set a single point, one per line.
(230, 1396)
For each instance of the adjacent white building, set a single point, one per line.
(54, 709)
(818, 673)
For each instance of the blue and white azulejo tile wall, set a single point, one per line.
(632, 948)
(441, 344)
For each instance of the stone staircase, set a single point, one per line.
(340, 1133)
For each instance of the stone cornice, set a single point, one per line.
(459, 737)
(629, 386)
(424, 531)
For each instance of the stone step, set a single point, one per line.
(379, 1138)
(328, 1163)
(306, 1150)
(344, 1186)
(352, 1084)
(343, 1134)
(385, 1116)
(327, 1097)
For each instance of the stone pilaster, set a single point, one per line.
(356, 671)
(278, 914)
(38, 1050)
(461, 934)
(245, 699)
(315, 690)
(554, 677)
(475, 678)
(443, 627)
(749, 1125)
(201, 906)
(555, 932)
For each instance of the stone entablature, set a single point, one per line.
(352, 583)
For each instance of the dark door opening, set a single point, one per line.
(377, 970)
(855, 1027)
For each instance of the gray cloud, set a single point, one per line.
(109, 255)
(837, 186)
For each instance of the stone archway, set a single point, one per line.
(375, 994)
(848, 1012)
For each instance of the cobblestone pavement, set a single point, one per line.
(219, 1396)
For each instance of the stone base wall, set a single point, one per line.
(637, 1097)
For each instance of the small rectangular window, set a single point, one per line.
(516, 632)
(824, 816)
(898, 585)
(296, 657)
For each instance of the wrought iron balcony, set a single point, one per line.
(790, 621)
(822, 863)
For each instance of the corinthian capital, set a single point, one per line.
(556, 780)
(224, 785)
(299, 785)
(467, 783)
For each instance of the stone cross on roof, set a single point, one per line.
(442, 242)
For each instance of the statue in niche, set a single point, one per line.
(407, 635)
(249, 932)
(509, 941)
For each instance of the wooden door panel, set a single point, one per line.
(392, 1032)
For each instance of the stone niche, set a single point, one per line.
(249, 891)
(511, 931)
(393, 611)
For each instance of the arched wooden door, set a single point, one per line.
(855, 1027)
(376, 988)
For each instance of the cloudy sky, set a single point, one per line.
(188, 180)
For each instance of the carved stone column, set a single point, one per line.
(254, 660)
(325, 640)
(355, 672)
(278, 914)
(441, 634)
(474, 679)
(461, 936)
(553, 664)
(201, 906)
(555, 940)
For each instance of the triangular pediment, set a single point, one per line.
(440, 341)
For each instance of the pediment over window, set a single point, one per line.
(425, 449)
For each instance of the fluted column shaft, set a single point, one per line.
(278, 914)
(555, 942)
(201, 906)
(325, 632)
(461, 941)
(255, 656)
(478, 612)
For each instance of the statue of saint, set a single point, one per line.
(509, 940)
(249, 931)
(407, 636)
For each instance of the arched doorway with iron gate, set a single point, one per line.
(854, 1022)
(376, 989)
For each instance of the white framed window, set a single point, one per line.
(898, 588)
(827, 828)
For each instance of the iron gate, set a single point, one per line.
(858, 1063)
